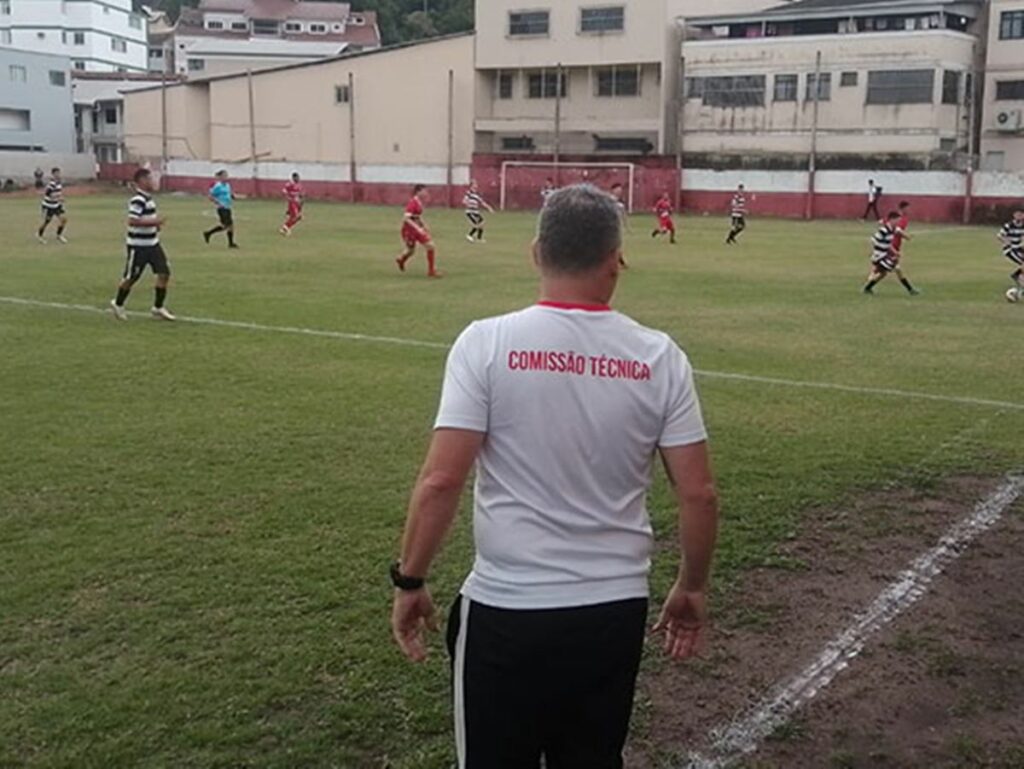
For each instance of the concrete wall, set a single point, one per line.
(1002, 150)
(34, 113)
(21, 165)
(188, 122)
(847, 124)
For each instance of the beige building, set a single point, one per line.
(399, 99)
(1002, 122)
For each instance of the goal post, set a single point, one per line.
(522, 180)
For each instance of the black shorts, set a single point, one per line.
(140, 257)
(557, 683)
(475, 218)
(225, 216)
(739, 221)
(1015, 254)
(884, 265)
(49, 213)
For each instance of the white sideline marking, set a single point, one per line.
(744, 735)
(315, 332)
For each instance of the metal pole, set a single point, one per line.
(252, 132)
(352, 182)
(971, 95)
(163, 122)
(680, 105)
(451, 133)
(558, 123)
(812, 161)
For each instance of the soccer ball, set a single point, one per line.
(1013, 295)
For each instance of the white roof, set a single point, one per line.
(254, 48)
(92, 91)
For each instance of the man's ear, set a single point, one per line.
(535, 253)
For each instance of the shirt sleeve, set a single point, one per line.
(684, 422)
(465, 396)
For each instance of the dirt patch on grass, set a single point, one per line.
(942, 686)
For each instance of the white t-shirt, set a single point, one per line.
(574, 401)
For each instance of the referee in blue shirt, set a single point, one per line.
(222, 196)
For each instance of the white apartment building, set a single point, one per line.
(96, 35)
(223, 37)
(1002, 124)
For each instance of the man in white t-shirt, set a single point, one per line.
(562, 408)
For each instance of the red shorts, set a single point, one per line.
(666, 223)
(294, 208)
(411, 236)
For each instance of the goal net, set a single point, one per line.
(522, 180)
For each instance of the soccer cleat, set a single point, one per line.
(401, 264)
(914, 292)
(435, 274)
(119, 312)
(481, 240)
(207, 236)
(233, 245)
(283, 231)
(471, 239)
(41, 239)
(162, 313)
(62, 239)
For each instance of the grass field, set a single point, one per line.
(195, 520)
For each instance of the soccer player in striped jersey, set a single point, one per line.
(883, 259)
(294, 195)
(144, 249)
(53, 207)
(663, 210)
(738, 210)
(1012, 237)
(473, 202)
(415, 232)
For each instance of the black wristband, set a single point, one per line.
(403, 582)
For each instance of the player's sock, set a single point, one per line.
(42, 231)
(207, 234)
(231, 238)
(160, 295)
(479, 233)
(869, 287)
(122, 296)
(655, 233)
(1017, 276)
(908, 286)
(60, 230)
(431, 260)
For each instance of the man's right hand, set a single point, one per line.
(684, 622)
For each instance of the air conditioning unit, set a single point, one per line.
(1010, 120)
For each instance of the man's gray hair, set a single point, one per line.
(579, 227)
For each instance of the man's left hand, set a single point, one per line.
(413, 611)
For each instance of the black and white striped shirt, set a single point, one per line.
(881, 243)
(1012, 234)
(142, 206)
(472, 201)
(53, 195)
(739, 206)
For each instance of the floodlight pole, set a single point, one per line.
(680, 105)
(558, 124)
(812, 160)
(163, 122)
(252, 132)
(352, 137)
(451, 134)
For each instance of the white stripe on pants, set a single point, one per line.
(459, 683)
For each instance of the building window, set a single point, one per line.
(196, 65)
(1010, 90)
(110, 115)
(292, 26)
(58, 78)
(618, 81)
(135, 22)
(265, 27)
(786, 87)
(542, 85)
(598, 20)
(78, 38)
(729, 90)
(342, 94)
(118, 45)
(947, 145)
(950, 87)
(901, 86)
(215, 25)
(17, 73)
(156, 53)
(506, 84)
(239, 26)
(5, 37)
(5, 7)
(848, 80)
(318, 29)
(517, 143)
(15, 119)
(528, 23)
(78, 65)
(824, 89)
(1011, 25)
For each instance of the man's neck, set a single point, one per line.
(573, 293)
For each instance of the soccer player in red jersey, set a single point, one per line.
(415, 232)
(663, 210)
(897, 245)
(294, 195)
